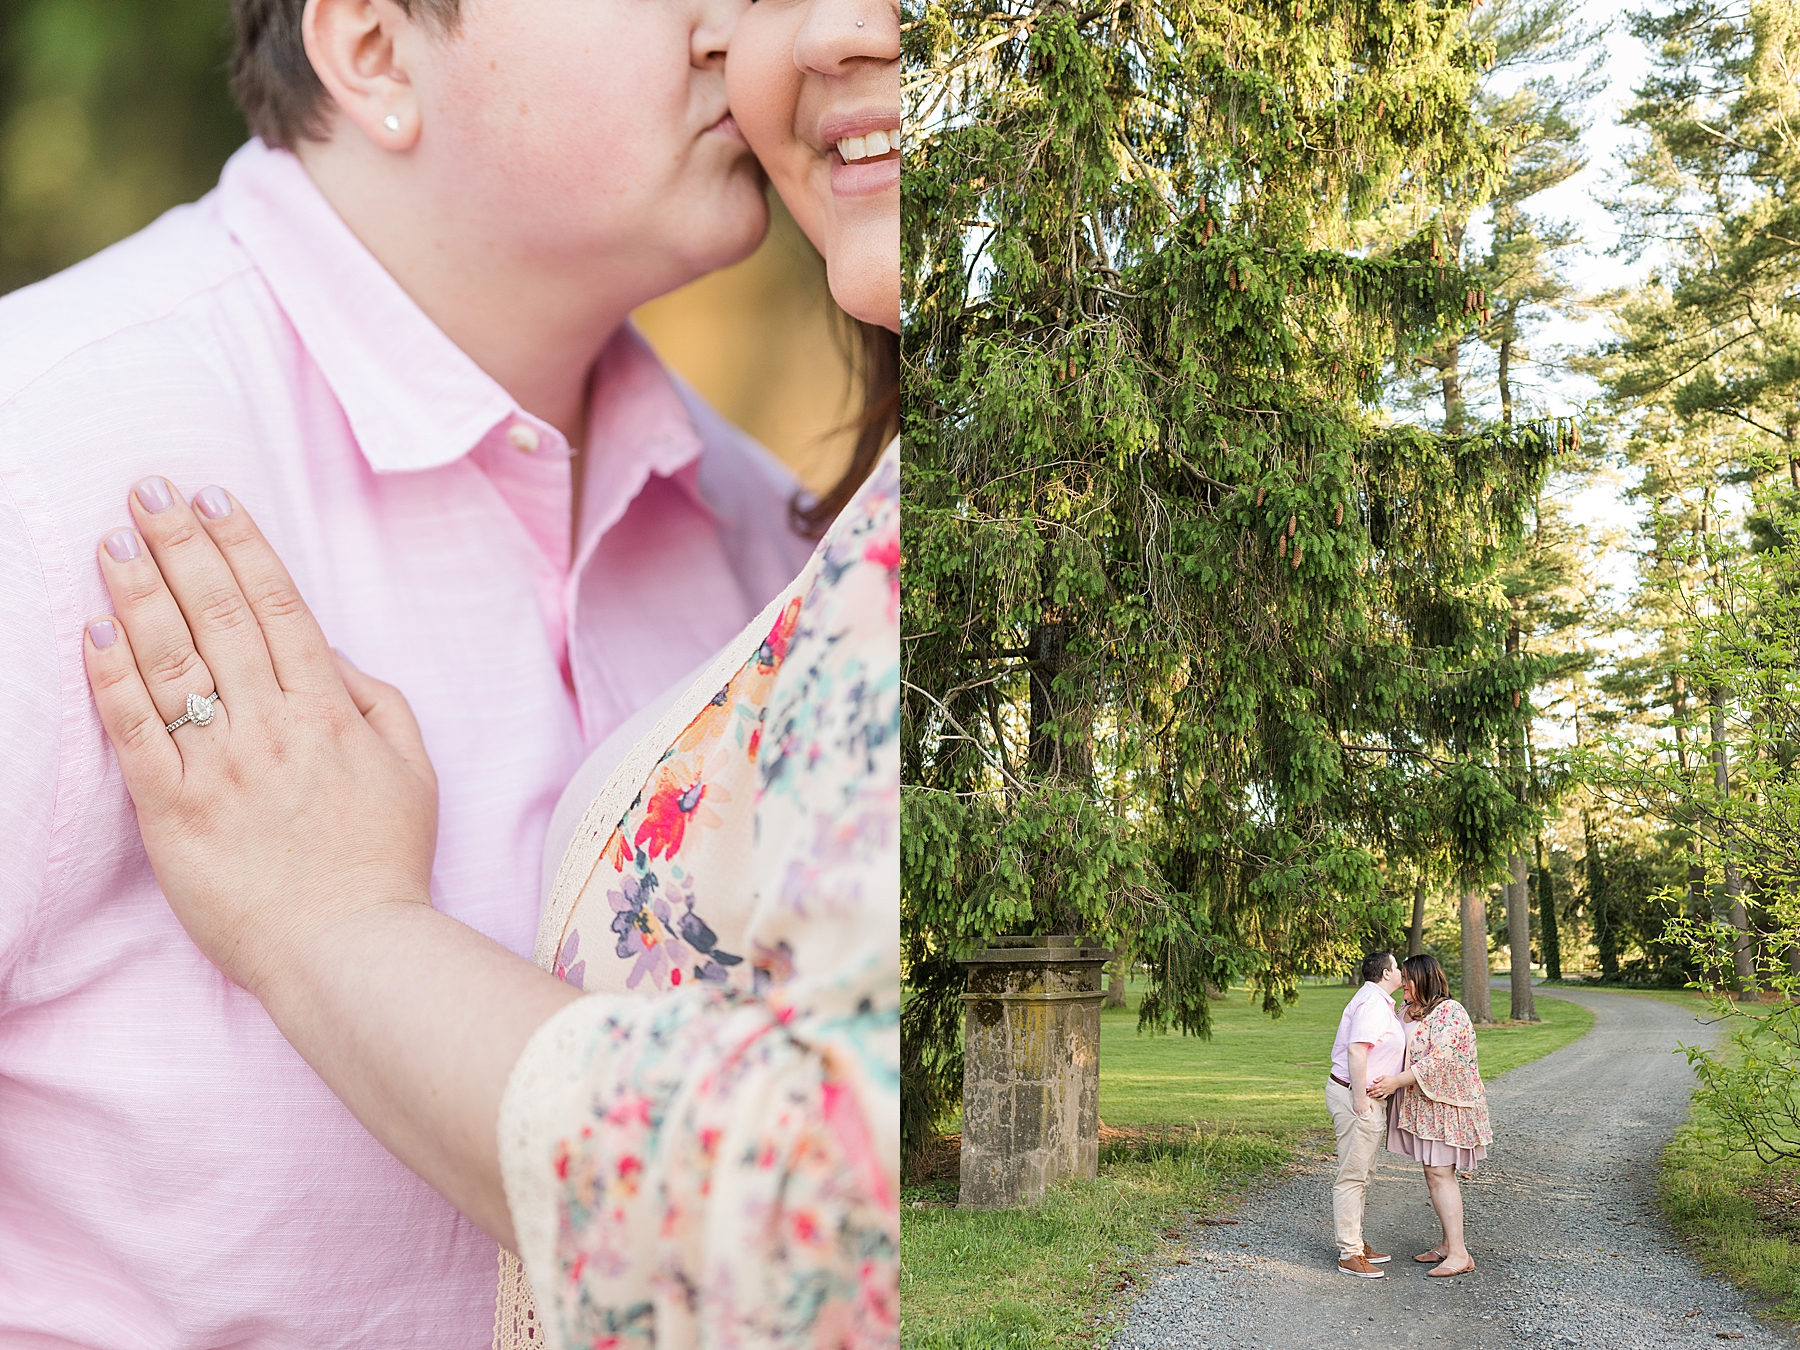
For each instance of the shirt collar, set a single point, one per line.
(413, 398)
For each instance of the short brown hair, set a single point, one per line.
(271, 78)
(1375, 965)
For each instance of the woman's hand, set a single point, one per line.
(1387, 1084)
(293, 834)
(306, 796)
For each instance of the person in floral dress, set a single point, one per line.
(1440, 1115)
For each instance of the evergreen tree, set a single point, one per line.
(1193, 638)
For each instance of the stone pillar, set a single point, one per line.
(1031, 1069)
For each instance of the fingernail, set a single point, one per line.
(122, 544)
(212, 503)
(101, 633)
(154, 494)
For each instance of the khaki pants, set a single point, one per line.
(1359, 1141)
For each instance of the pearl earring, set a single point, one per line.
(391, 122)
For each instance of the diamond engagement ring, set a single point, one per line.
(200, 712)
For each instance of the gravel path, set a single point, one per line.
(1569, 1245)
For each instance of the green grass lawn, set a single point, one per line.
(1244, 1104)
(1269, 1074)
(1029, 1278)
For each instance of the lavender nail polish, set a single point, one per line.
(123, 545)
(101, 633)
(212, 503)
(154, 494)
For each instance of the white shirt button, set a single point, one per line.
(523, 437)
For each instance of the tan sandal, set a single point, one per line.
(1441, 1274)
(1431, 1258)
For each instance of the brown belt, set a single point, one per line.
(1340, 1082)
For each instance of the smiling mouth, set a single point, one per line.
(870, 148)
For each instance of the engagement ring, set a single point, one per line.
(200, 711)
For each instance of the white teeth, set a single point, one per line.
(872, 146)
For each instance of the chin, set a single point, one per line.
(866, 283)
(729, 228)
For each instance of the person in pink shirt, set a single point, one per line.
(1370, 1044)
(398, 328)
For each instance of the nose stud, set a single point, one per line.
(859, 23)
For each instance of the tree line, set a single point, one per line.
(1247, 623)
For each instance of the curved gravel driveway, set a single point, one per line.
(1569, 1244)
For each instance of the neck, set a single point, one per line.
(534, 325)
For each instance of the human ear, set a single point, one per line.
(357, 50)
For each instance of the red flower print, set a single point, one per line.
(665, 819)
(775, 646)
(884, 552)
(629, 1170)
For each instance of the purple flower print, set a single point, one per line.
(567, 967)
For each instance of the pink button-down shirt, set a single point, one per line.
(171, 1173)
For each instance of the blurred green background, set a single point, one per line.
(112, 111)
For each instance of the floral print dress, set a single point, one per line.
(1443, 1121)
(705, 1151)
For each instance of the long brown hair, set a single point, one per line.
(1429, 985)
(876, 352)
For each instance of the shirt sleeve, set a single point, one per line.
(31, 714)
(715, 1167)
(1370, 1023)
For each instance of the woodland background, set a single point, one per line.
(1256, 610)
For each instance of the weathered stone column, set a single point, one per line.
(1031, 1068)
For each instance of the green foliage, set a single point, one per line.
(1702, 383)
(1195, 640)
(111, 111)
(1736, 1211)
(1714, 186)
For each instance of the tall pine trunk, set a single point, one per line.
(1696, 867)
(1606, 937)
(1518, 937)
(1548, 937)
(1115, 982)
(1508, 328)
(1415, 936)
(1518, 891)
(1742, 960)
(1450, 354)
(1475, 973)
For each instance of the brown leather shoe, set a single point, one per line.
(1359, 1267)
(1374, 1257)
